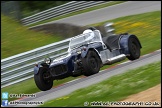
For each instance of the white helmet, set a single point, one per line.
(91, 34)
(89, 31)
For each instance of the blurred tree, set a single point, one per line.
(11, 9)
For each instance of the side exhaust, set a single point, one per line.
(116, 59)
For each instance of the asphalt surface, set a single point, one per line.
(111, 12)
(124, 9)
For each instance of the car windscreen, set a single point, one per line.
(83, 39)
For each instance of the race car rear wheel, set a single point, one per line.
(91, 63)
(134, 49)
(42, 79)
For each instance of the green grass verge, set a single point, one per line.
(78, 12)
(115, 88)
(147, 30)
(16, 39)
(147, 27)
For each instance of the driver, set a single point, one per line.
(90, 32)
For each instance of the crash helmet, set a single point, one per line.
(89, 31)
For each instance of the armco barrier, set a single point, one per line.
(60, 10)
(20, 67)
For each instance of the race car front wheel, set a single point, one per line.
(134, 48)
(42, 79)
(91, 63)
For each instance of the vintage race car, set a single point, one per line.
(87, 53)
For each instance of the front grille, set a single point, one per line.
(57, 70)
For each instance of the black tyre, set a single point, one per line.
(42, 79)
(91, 64)
(134, 48)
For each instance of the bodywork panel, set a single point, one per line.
(124, 43)
(36, 68)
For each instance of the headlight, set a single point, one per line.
(78, 51)
(47, 60)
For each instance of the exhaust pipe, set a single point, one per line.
(116, 59)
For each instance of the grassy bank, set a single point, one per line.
(115, 88)
(146, 26)
(16, 38)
